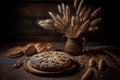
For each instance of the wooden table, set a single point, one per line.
(7, 72)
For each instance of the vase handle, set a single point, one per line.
(84, 44)
(63, 39)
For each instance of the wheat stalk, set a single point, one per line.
(82, 12)
(85, 25)
(87, 14)
(73, 25)
(59, 9)
(95, 12)
(75, 3)
(79, 7)
(94, 22)
(67, 13)
(94, 28)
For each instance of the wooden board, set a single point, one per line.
(73, 66)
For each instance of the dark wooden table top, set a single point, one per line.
(7, 72)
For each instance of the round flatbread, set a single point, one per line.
(15, 52)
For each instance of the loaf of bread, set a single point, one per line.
(44, 47)
(29, 49)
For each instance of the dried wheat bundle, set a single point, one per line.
(73, 25)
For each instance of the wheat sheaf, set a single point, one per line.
(73, 25)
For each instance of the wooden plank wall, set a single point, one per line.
(20, 19)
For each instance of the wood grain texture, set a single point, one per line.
(7, 72)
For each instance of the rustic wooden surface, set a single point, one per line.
(7, 72)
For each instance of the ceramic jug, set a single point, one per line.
(74, 46)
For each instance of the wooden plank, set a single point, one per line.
(32, 9)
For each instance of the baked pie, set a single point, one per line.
(50, 61)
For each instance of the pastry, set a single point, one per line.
(29, 49)
(44, 47)
(50, 61)
(15, 52)
(39, 47)
(50, 47)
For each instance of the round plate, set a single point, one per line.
(27, 65)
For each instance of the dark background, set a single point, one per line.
(19, 21)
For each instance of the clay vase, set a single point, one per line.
(74, 46)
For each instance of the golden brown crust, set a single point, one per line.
(58, 68)
(39, 47)
(50, 61)
(29, 49)
(44, 47)
(15, 52)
